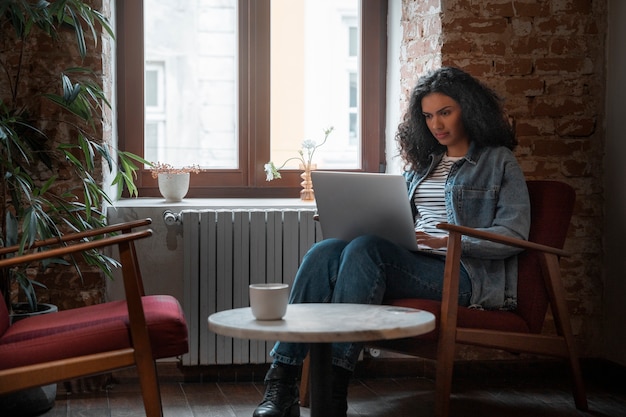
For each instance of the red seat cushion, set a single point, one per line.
(467, 317)
(93, 329)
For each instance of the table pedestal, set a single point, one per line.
(321, 374)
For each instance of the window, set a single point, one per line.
(242, 104)
(154, 139)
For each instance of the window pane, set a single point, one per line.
(314, 68)
(353, 90)
(354, 41)
(151, 88)
(153, 138)
(196, 42)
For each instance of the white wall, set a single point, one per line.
(615, 188)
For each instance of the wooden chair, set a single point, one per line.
(50, 348)
(539, 286)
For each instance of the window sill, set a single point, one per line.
(209, 203)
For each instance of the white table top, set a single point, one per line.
(326, 323)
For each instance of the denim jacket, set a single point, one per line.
(486, 190)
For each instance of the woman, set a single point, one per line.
(457, 145)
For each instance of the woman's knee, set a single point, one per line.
(325, 250)
(322, 260)
(369, 245)
(315, 279)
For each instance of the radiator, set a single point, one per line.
(224, 252)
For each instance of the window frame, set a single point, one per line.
(248, 181)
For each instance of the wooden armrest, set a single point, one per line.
(511, 241)
(69, 237)
(75, 247)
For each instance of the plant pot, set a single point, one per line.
(173, 187)
(32, 401)
(29, 402)
(21, 311)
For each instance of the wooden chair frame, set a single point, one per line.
(561, 345)
(139, 354)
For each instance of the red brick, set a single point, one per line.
(520, 66)
(494, 47)
(521, 26)
(534, 127)
(541, 169)
(411, 29)
(573, 168)
(558, 25)
(423, 6)
(458, 46)
(558, 85)
(561, 64)
(558, 106)
(476, 25)
(557, 147)
(531, 8)
(579, 127)
(466, 7)
(518, 105)
(525, 86)
(476, 67)
(500, 9)
(591, 28)
(564, 46)
(529, 45)
(576, 6)
(418, 47)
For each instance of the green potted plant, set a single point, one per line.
(53, 155)
(51, 131)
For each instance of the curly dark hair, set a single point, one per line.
(482, 113)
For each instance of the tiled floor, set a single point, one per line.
(478, 391)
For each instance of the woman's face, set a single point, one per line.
(443, 118)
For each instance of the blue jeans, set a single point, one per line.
(363, 271)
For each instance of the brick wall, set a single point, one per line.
(546, 58)
(46, 59)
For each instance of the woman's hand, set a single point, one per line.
(431, 241)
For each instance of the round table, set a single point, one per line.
(320, 325)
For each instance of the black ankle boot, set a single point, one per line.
(282, 395)
(339, 399)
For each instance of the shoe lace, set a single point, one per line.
(279, 392)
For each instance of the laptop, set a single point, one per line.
(352, 204)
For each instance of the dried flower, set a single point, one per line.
(163, 168)
(308, 146)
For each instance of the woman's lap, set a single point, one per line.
(365, 271)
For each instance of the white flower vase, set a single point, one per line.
(173, 187)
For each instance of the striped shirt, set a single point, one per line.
(430, 202)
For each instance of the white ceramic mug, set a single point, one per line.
(269, 301)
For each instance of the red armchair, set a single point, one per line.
(89, 340)
(539, 286)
